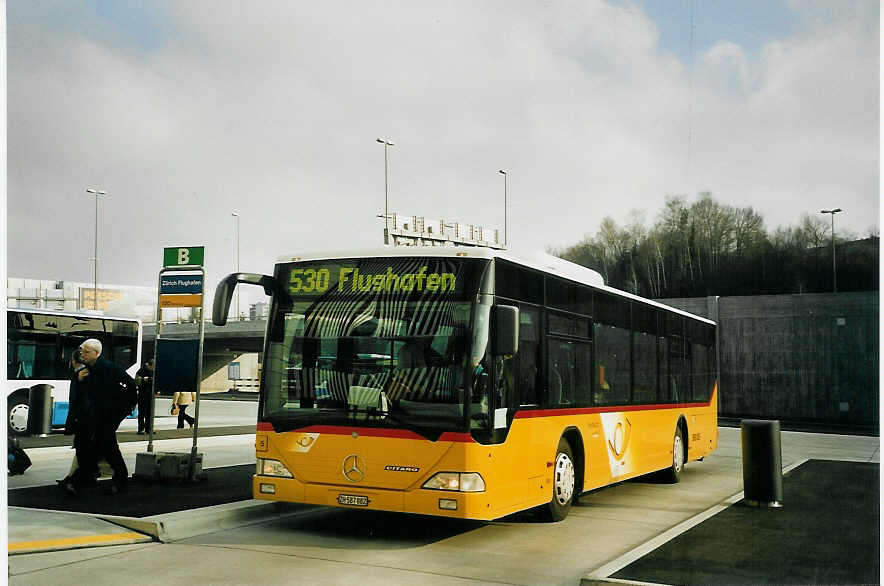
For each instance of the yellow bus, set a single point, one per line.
(469, 382)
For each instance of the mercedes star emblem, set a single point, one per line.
(354, 468)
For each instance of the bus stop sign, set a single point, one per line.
(183, 256)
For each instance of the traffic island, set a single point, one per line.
(827, 534)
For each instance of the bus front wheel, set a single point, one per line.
(17, 413)
(563, 483)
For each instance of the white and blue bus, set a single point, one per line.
(39, 344)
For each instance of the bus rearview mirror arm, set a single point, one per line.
(224, 292)
(506, 330)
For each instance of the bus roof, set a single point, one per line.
(84, 314)
(541, 261)
(537, 260)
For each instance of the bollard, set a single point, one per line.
(40, 410)
(762, 463)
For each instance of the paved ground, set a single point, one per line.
(37, 531)
(243, 542)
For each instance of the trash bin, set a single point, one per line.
(40, 410)
(762, 463)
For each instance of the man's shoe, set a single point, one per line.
(118, 485)
(114, 489)
(68, 488)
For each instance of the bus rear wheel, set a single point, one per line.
(17, 414)
(563, 483)
(673, 473)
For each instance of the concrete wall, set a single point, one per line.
(217, 381)
(802, 358)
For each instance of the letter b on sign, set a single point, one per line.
(183, 256)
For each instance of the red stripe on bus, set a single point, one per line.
(265, 426)
(452, 436)
(611, 409)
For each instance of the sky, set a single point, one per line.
(185, 112)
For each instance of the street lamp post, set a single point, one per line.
(386, 144)
(96, 193)
(236, 215)
(502, 172)
(834, 273)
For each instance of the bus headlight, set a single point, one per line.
(456, 481)
(266, 467)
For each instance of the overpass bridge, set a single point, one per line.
(221, 345)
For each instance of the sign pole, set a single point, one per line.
(199, 381)
(153, 386)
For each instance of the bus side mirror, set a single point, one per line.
(224, 292)
(505, 325)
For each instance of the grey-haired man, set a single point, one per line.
(114, 396)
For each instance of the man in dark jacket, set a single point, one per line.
(114, 395)
(81, 423)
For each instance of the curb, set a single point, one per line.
(165, 528)
(180, 525)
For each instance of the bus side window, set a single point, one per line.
(583, 375)
(561, 372)
(679, 368)
(528, 358)
(645, 360)
(612, 347)
(15, 367)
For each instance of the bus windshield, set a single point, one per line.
(377, 342)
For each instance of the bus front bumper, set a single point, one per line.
(461, 505)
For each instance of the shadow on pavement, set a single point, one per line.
(143, 499)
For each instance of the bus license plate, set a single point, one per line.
(353, 499)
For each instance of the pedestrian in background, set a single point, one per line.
(181, 400)
(144, 380)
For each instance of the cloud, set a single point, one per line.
(805, 135)
(727, 62)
